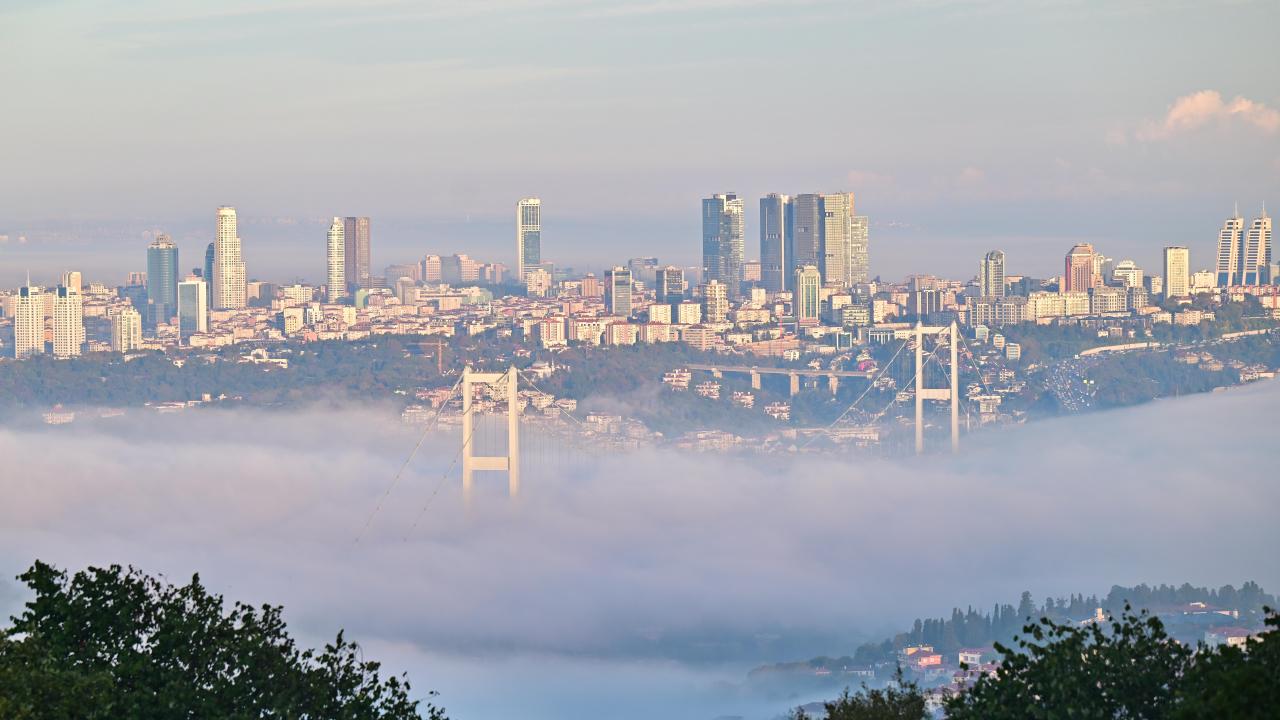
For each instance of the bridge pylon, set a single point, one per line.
(951, 393)
(510, 463)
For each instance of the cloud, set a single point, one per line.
(643, 559)
(1207, 107)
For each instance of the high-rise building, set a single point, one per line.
(1177, 272)
(73, 280)
(1127, 273)
(806, 232)
(775, 241)
(193, 307)
(991, 275)
(126, 330)
(670, 285)
(528, 235)
(860, 249)
(723, 242)
(68, 322)
(207, 273)
(162, 280)
(28, 322)
(617, 291)
(644, 269)
(432, 269)
(356, 254)
(837, 239)
(1231, 251)
(228, 264)
(715, 301)
(336, 244)
(807, 301)
(1078, 274)
(1256, 263)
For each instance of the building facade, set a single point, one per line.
(193, 307)
(991, 275)
(1078, 273)
(126, 330)
(68, 322)
(528, 236)
(807, 299)
(357, 254)
(617, 291)
(336, 279)
(1177, 272)
(162, 280)
(228, 264)
(723, 241)
(28, 322)
(775, 242)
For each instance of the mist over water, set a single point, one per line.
(640, 585)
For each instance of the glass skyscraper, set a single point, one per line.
(775, 242)
(162, 280)
(723, 241)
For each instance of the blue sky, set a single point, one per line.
(960, 125)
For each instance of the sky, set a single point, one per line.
(647, 584)
(960, 126)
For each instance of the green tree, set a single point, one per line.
(115, 643)
(902, 700)
(1228, 682)
(1126, 669)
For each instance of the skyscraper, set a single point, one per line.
(991, 275)
(356, 253)
(126, 330)
(775, 241)
(1177, 272)
(528, 235)
(806, 231)
(837, 238)
(1078, 273)
(68, 322)
(806, 302)
(28, 322)
(208, 267)
(670, 285)
(723, 242)
(617, 291)
(193, 307)
(860, 250)
(1231, 251)
(228, 264)
(715, 301)
(336, 245)
(162, 280)
(1256, 263)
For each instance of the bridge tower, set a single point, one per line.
(510, 463)
(923, 393)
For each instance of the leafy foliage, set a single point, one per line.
(902, 700)
(115, 643)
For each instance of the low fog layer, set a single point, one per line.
(643, 560)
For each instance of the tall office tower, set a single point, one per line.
(806, 302)
(73, 280)
(162, 280)
(1078, 273)
(723, 242)
(28, 322)
(806, 232)
(126, 330)
(1256, 263)
(356, 253)
(432, 269)
(68, 322)
(209, 274)
(617, 291)
(991, 275)
(528, 235)
(715, 301)
(1127, 273)
(670, 285)
(193, 307)
(860, 250)
(336, 246)
(775, 241)
(1177, 272)
(1230, 252)
(837, 238)
(228, 264)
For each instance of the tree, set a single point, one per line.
(902, 700)
(1128, 669)
(1228, 682)
(114, 643)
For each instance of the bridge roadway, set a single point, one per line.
(832, 376)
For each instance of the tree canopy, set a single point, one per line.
(116, 643)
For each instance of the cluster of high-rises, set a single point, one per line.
(1244, 255)
(818, 231)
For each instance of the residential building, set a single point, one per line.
(68, 322)
(1127, 274)
(1177, 268)
(126, 330)
(357, 254)
(528, 236)
(715, 301)
(228, 264)
(807, 301)
(688, 313)
(1079, 273)
(28, 322)
(432, 269)
(991, 275)
(336, 260)
(723, 245)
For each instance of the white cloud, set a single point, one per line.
(1207, 107)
